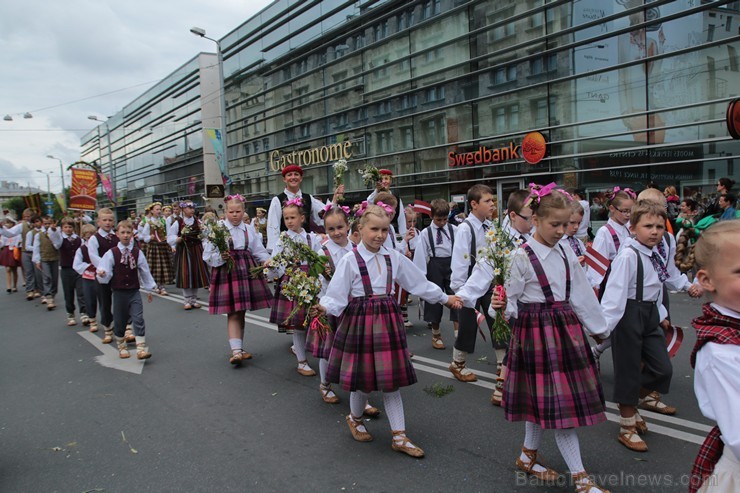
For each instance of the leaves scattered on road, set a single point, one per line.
(439, 390)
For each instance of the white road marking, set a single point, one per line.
(110, 358)
(440, 368)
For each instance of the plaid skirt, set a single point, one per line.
(320, 344)
(7, 259)
(190, 269)
(159, 258)
(369, 351)
(281, 308)
(235, 291)
(552, 379)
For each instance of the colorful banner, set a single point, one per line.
(62, 203)
(192, 185)
(214, 135)
(33, 201)
(107, 186)
(82, 193)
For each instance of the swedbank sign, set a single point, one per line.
(312, 156)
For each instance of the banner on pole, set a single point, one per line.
(82, 193)
(214, 135)
(107, 186)
(33, 201)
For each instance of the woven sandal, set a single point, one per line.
(630, 439)
(357, 434)
(548, 475)
(652, 402)
(458, 370)
(498, 392)
(584, 484)
(328, 395)
(371, 411)
(401, 443)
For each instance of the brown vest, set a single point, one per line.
(48, 252)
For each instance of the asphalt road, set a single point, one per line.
(189, 421)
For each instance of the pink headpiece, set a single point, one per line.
(387, 208)
(536, 192)
(329, 207)
(362, 208)
(628, 191)
(297, 202)
(235, 197)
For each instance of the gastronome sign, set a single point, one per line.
(310, 157)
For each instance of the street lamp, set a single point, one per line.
(222, 93)
(61, 168)
(110, 160)
(9, 117)
(49, 210)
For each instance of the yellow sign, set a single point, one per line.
(310, 157)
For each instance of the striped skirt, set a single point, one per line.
(159, 257)
(190, 269)
(235, 291)
(281, 308)
(320, 344)
(369, 351)
(552, 379)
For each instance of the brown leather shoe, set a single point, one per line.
(641, 426)
(632, 440)
(402, 444)
(457, 370)
(328, 395)
(304, 369)
(371, 412)
(360, 436)
(437, 342)
(652, 402)
(548, 475)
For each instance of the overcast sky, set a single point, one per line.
(62, 61)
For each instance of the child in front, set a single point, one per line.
(233, 291)
(294, 217)
(552, 381)
(184, 235)
(632, 305)
(716, 358)
(369, 352)
(124, 267)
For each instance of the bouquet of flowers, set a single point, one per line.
(497, 253)
(218, 234)
(340, 168)
(293, 254)
(370, 175)
(303, 290)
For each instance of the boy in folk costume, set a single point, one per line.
(716, 359)
(83, 266)
(124, 268)
(185, 236)
(469, 237)
(433, 256)
(71, 280)
(46, 244)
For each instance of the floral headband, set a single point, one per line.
(297, 202)
(236, 196)
(153, 204)
(631, 193)
(387, 208)
(329, 207)
(187, 203)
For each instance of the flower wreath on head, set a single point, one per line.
(296, 202)
(235, 196)
(329, 207)
(187, 203)
(153, 204)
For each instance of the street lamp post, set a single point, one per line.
(222, 93)
(49, 210)
(110, 160)
(61, 168)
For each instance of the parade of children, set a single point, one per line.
(521, 271)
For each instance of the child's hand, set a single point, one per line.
(665, 324)
(316, 311)
(225, 256)
(696, 291)
(266, 265)
(498, 298)
(598, 339)
(454, 302)
(101, 272)
(38, 265)
(582, 260)
(149, 297)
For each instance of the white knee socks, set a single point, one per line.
(357, 403)
(236, 345)
(323, 366)
(299, 344)
(532, 436)
(394, 408)
(570, 449)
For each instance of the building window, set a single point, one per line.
(506, 119)
(359, 41)
(433, 55)
(732, 57)
(407, 135)
(430, 8)
(434, 131)
(436, 93)
(543, 64)
(502, 75)
(305, 130)
(504, 31)
(385, 141)
(381, 30)
(384, 108)
(539, 109)
(408, 101)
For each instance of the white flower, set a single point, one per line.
(496, 271)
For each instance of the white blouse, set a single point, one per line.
(106, 265)
(212, 256)
(347, 279)
(301, 237)
(622, 282)
(717, 385)
(337, 253)
(461, 251)
(424, 251)
(173, 232)
(604, 244)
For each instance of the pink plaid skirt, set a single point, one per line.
(552, 379)
(236, 291)
(281, 308)
(369, 350)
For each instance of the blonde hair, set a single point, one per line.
(236, 200)
(373, 210)
(105, 211)
(555, 200)
(709, 244)
(210, 217)
(87, 229)
(652, 195)
(125, 224)
(577, 208)
(670, 190)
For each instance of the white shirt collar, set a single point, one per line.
(102, 232)
(542, 251)
(631, 242)
(334, 248)
(292, 195)
(477, 224)
(367, 254)
(293, 234)
(123, 248)
(72, 236)
(727, 312)
(242, 226)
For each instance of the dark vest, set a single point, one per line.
(124, 276)
(85, 254)
(106, 244)
(67, 251)
(307, 205)
(190, 239)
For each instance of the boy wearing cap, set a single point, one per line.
(384, 185)
(293, 177)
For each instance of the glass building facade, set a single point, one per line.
(625, 92)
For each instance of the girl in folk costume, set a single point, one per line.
(294, 217)
(232, 290)
(716, 359)
(10, 257)
(369, 351)
(184, 235)
(552, 381)
(336, 224)
(139, 232)
(84, 267)
(158, 252)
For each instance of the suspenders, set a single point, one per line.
(452, 238)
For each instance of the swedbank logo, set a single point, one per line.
(532, 149)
